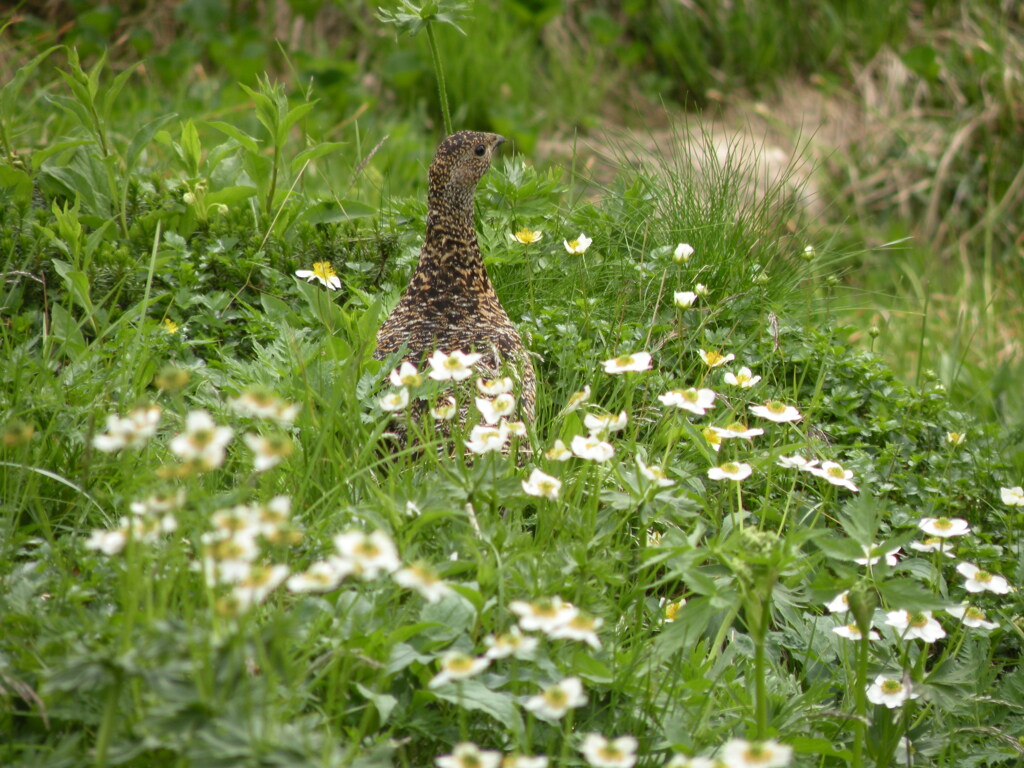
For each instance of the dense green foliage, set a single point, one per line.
(151, 226)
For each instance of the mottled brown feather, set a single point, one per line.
(450, 304)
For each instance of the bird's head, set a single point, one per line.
(460, 162)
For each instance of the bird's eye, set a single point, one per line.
(480, 149)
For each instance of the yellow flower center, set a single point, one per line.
(713, 357)
(526, 237)
(918, 620)
(460, 663)
(324, 270)
(974, 613)
(837, 472)
(983, 576)
(556, 697)
(776, 407)
(890, 687)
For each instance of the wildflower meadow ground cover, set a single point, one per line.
(729, 538)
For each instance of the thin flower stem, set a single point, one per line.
(439, 73)
(861, 702)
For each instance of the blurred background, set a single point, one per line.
(897, 122)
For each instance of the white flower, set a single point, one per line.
(852, 632)
(701, 290)
(468, 755)
(555, 700)
(944, 526)
(609, 753)
(732, 470)
(683, 252)
(776, 411)
(159, 503)
(839, 603)
(872, 555)
(796, 461)
(202, 440)
(744, 379)
(511, 643)
(483, 439)
(543, 615)
(321, 576)
(445, 409)
(671, 608)
(492, 387)
(713, 358)
(456, 665)
(108, 542)
(579, 245)
(934, 544)
(515, 428)
(456, 366)
(424, 579)
(654, 474)
(696, 401)
(257, 584)
(269, 451)
(982, 581)
(524, 761)
(971, 616)
(638, 361)
(918, 625)
(684, 299)
(1014, 497)
(131, 431)
(576, 400)
(526, 236)
(737, 430)
(580, 627)
(607, 422)
(591, 447)
(406, 375)
(493, 410)
(740, 753)
(890, 691)
(261, 403)
(835, 474)
(395, 401)
(558, 452)
(543, 485)
(955, 438)
(370, 554)
(322, 271)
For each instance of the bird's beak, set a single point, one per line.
(501, 140)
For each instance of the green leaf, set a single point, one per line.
(474, 695)
(382, 702)
(247, 141)
(16, 185)
(64, 328)
(333, 211)
(230, 196)
(77, 285)
(144, 136)
(320, 150)
(909, 595)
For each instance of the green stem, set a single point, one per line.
(760, 690)
(109, 716)
(861, 701)
(439, 73)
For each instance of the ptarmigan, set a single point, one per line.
(450, 304)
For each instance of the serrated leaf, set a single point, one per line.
(474, 695)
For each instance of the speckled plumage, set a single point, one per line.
(450, 304)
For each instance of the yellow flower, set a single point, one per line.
(526, 236)
(170, 326)
(322, 271)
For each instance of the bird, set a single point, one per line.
(450, 304)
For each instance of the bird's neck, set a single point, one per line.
(451, 257)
